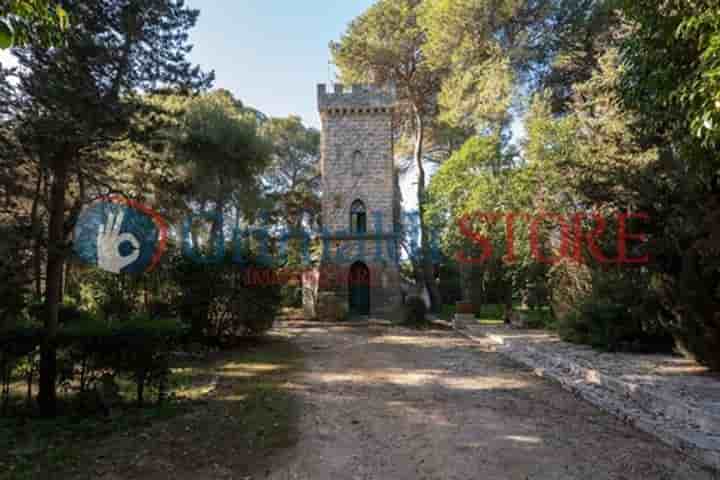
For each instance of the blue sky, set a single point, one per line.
(271, 53)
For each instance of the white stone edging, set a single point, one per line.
(617, 398)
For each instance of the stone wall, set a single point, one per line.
(347, 138)
(334, 283)
(357, 164)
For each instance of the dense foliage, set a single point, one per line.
(115, 107)
(42, 20)
(620, 107)
(91, 352)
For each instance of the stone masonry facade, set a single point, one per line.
(357, 165)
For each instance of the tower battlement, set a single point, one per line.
(360, 97)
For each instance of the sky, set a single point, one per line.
(271, 54)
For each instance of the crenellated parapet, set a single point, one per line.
(356, 99)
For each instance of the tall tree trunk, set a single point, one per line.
(67, 280)
(36, 235)
(194, 233)
(141, 378)
(466, 282)
(238, 214)
(53, 281)
(29, 378)
(217, 236)
(427, 263)
(216, 230)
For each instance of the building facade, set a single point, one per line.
(359, 270)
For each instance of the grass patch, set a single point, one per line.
(488, 314)
(230, 407)
(490, 322)
(492, 315)
(29, 445)
(448, 312)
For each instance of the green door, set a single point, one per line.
(359, 286)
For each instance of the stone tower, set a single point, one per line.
(359, 269)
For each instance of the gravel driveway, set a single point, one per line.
(393, 404)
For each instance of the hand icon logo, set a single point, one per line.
(120, 235)
(109, 240)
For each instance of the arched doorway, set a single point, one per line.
(359, 288)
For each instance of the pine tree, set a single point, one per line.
(74, 100)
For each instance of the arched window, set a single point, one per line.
(358, 218)
(358, 163)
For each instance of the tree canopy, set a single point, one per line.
(40, 20)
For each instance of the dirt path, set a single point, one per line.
(393, 404)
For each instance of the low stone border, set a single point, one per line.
(685, 427)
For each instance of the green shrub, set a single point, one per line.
(220, 302)
(570, 284)
(14, 271)
(535, 294)
(698, 339)
(613, 327)
(16, 346)
(491, 312)
(109, 295)
(573, 328)
(611, 324)
(415, 312)
(291, 296)
(161, 309)
(599, 324)
(71, 314)
(539, 319)
(615, 309)
(450, 284)
(448, 312)
(143, 347)
(137, 348)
